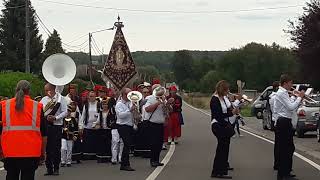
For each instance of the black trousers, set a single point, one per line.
(220, 163)
(126, 133)
(142, 142)
(286, 146)
(21, 167)
(276, 150)
(53, 149)
(156, 133)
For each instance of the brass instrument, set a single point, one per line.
(244, 97)
(159, 93)
(135, 97)
(307, 97)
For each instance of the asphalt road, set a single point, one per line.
(251, 157)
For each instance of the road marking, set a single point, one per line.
(313, 164)
(165, 161)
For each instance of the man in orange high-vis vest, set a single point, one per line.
(23, 136)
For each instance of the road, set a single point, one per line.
(192, 159)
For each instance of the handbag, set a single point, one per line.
(229, 130)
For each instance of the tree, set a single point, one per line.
(256, 64)
(305, 33)
(182, 66)
(147, 73)
(12, 37)
(53, 45)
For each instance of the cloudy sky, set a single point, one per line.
(213, 25)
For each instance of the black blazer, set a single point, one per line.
(216, 111)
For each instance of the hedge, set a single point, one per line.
(9, 80)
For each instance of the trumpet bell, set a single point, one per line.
(134, 96)
(59, 69)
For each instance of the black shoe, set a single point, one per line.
(63, 165)
(126, 168)
(113, 163)
(49, 173)
(68, 165)
(56, 172)
(78, 162)
(156, 164)
(230, 169)
(221, 176)
(291, 175)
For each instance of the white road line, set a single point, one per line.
(165, 161)
(313, 164)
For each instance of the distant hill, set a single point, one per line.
(162, 60)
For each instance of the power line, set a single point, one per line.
(96, 45)
(12, 7)
(174, 11)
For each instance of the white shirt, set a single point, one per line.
(271, 102)
(283, 105)
(62, 111)
(124, 115)
(158, 115)
(235, 104)
(92, 117)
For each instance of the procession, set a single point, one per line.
(168, 107)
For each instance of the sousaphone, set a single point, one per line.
(59, 69)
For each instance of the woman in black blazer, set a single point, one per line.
(221, 110)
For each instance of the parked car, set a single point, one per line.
(260, 103)
(307, 117)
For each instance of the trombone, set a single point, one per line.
(243, 97)
(307, 98)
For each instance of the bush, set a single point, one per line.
(9, 80)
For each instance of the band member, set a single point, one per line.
(283, 109)
(116, 142)
(221, 111)
(70, 126)
(77, 143)
(173, 129)
(72, 96)
(270, 104)
(55, 110)
(125, 127)
(105, 121)
(87, 126)
(157, 117)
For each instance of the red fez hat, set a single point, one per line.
(155, 81)
(97, 88)
(173, 88)
(84, 93)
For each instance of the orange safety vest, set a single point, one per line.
(21, 136)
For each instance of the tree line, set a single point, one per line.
(256, 64)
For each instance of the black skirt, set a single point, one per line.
(89, 143)
(77, 150)
(103, 143)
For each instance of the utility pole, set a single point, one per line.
(27, 38)
(90, 58)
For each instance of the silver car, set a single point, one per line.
(307, 117)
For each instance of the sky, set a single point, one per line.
(211, 28)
